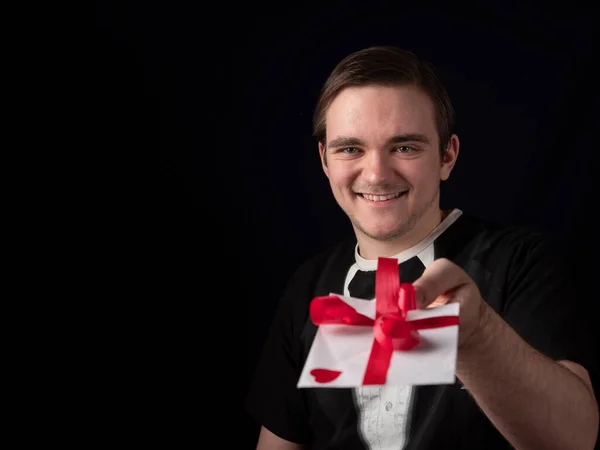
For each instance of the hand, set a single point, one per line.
(444, 282)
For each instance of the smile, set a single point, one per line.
(382, 198)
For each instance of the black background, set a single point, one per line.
(204, 117)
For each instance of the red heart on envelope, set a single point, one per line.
(325, 375)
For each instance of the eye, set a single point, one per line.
(403, 149)
(349, 150)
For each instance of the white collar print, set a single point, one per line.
(423, 249)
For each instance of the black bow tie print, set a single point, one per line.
(363, 283)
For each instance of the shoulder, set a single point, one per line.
(309, 271)
(513, 243)
(504, 260)
(523, 267)
(308, 278)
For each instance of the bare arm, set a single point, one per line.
(535, 402)
(270, 441)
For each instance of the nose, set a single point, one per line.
(377, 167)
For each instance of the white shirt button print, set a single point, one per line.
(384, 415)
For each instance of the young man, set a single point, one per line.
(384, 129)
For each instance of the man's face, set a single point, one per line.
(382, 158)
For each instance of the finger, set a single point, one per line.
(441, 300)
(441, 277)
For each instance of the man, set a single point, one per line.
(384, 129)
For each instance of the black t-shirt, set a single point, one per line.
(518, 275)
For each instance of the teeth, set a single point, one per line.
(380, 198)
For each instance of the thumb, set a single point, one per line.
(436, 285)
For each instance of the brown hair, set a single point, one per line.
(386, 66)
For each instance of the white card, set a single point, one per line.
(346, 349)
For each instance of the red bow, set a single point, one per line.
(391, 330)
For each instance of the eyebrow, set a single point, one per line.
(345, 141)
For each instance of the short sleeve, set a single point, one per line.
(544, 307)
(274, 399)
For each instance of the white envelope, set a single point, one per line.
(346, 349)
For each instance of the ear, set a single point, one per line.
(449, 157)
(323, 157)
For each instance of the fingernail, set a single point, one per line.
(419, 299)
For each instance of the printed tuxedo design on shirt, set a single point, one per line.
(384, 411)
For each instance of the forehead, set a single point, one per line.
(376, 112)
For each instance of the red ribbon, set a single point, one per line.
(391, 330)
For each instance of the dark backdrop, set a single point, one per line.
(205, 117)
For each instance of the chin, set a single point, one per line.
(383, 234)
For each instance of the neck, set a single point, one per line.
(370, 248)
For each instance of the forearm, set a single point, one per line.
(533, 401)
(269, 441)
